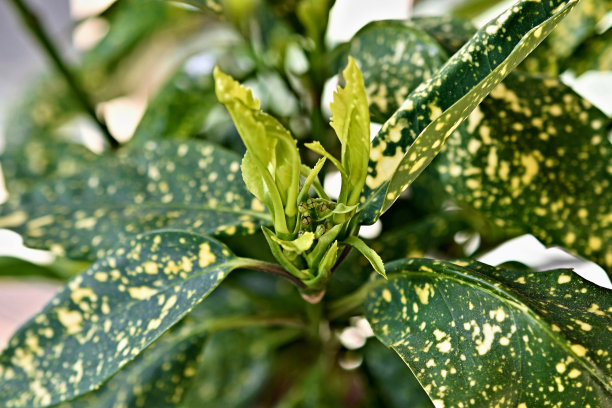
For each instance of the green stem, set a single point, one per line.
(269, 267)
(353, 300)
(38, 32)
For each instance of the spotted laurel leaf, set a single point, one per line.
(106, 316)
(416, 133)
(472, 332)
(385, 53)
(192, 186)
(543, 166)
(159, 377)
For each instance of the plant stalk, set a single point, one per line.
(271, 268)
(37, 30)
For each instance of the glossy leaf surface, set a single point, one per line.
(416, 133)
(498, 337)
(106, 316)
(394, 58)
(192, 186)
(158, 377)
(543, 166)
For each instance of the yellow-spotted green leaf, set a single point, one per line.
(159, 377)
(543, 167)
(106, 316)
(450, 32)
(472, 332)
(193, 186)
(179, 110)
(395, 57)
(351, 121)
(416, 133)
(394, 382)
(273, 158)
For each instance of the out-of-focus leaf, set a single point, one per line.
(416, 133)
(543, 167)
(395, 383)
(395, 58)
(193, 186)
(470, 9)
(558, 49)
(471, 332)
(19, 268)
(106, 316)
(594, 54)
(41, 157)
(179, 110)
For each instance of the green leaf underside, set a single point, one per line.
(416, 133)
(394, 59)
(192, 186)
(158, 377)
(543, 167)
(108, 315)
(472, 332)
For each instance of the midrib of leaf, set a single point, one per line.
(505, 297)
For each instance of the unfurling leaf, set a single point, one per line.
(272, 152)
(351, 121)
(369, 253)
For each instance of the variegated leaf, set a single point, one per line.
(543, 166)
(159, 377)
(495, 337)
(394, 58)
(193, 186)
(416, 133)
(106, 316)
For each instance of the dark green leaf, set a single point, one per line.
(471, 332)
(394, 58)
(158, 377)
(19, 268)
(179, 110)
(594, 54)
(416, 133)
(395, 384)
(450, 32)
(193, 186)
(543, 166)
(108, 315)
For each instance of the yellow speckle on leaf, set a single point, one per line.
(142, 292)
(563, 279)
(205, 256)
(386, 294)
(579, 350)
(70, 319)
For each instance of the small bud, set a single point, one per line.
(320, 230)
(306, 221)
